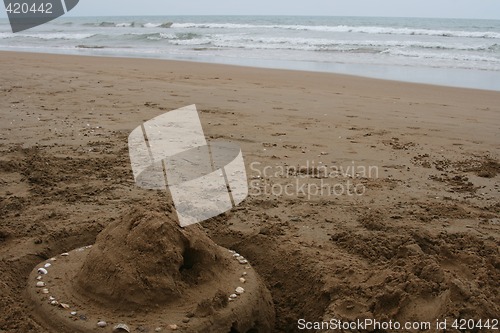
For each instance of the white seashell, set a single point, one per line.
(51, 298)
(236, 255)
(40, 284)
(42, 271)
(39, 277)
(73, 313)
(244, 274)
(242, 280)
(52, 259)
(240, 290)
(102, 323)
(233, 296)
(65, 254)
(240, 258)
(64, 305)
(121, 328)
(243, 261)
(45, 291)
(173, 327)
(47, 265)
(232, 251)
(54, 303)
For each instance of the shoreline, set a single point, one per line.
(442, 77)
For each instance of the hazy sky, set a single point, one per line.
(489, 9)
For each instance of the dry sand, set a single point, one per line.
(421, 243)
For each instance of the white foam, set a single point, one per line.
(5, 35)
(151, 25)
(443, 56)
(346, 28)
(157, 25)
(218, 26)
(57, 35)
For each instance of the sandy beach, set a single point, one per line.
(368, 198)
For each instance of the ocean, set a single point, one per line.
(453, 52)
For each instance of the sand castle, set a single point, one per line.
(146, 274)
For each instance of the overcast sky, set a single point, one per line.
(488, 9)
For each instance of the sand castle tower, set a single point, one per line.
(147, 274)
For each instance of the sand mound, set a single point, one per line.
(146, 271)
(145, 258)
